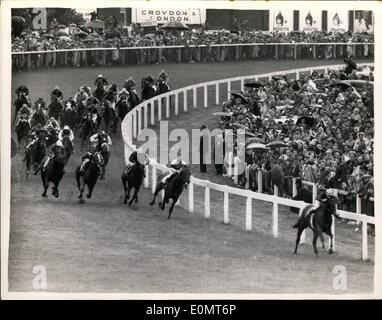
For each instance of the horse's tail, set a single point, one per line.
(301, 220)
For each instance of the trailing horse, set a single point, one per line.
(90, 175)
(20, 101)
(173, 188)
(105, 152)
(87, 129)
(133, 176)
(53, 172)
(35, 154)
(39, 117)
(22, 130)
(68, 147)
(52, 137)
(319, 222)
(69, 117)
(109, 116)
(123, 107)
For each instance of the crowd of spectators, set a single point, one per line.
(324, 133)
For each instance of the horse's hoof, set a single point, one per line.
(295, 253)
(125, 201)
(330, 251)
(80, 196)
(129, 203)
(151, 203)
(44, 195)
(88, 196)
(56, 194)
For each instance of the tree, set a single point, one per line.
(65, 16)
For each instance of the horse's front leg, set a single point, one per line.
(81, 187)
(134, 196)
(331, 243)
(45, 184)
(124, 189)
(158, 188)
(90, 190)
(174, 201)
(321, 237)
(55, 189)
(299, 232)
(314, 242)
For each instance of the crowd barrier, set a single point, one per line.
(150, 111)
(83, 57)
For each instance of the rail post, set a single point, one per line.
(358, 205)
(294, 188)
(228, 89)
(168, 106)
(207, 206)
(364, 241)
(248, 214)
(226, 208)
(154, 179)
(145, 116)
(176, 94)
(303, 237)
(259, 180)
(217, 93)
(194, 92)
(205, 91)
(147, 177)
(275, 215)
(191, 197)
(185, 100)
(152, 111)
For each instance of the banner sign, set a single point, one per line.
(363, 21)
(149, 23)
(281, 20)
(310, 20)
(187, 16)
(338, 21)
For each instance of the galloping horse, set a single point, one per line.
(39, 117)
(20, 101)
(53, 172)
(134, 177)
(100, 91)
(87, 129)
(148, 87)
(89, 177)
(109, 116)
(68, 147)
(173, 188)
(319, 222)
(52, 137)
(22, 130)
(69, 117)
(35, 154)
(105, 152)
(123, 107)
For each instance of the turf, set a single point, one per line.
(105, 246)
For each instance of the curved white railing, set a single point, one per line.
(138, 119)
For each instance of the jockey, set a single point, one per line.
(66, 132)
(81, 96)
(133, 159)
(163, 85)
(52, 123)
(175, 166)
(40, 105)
(86, 158)
(22, 89)
(35, 133)
(100, 79)
(56, 151)
(24, 113)
(99, 138)
(129, 84)
(58, 93)
(322, 199)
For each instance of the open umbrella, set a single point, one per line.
(174, 25)
(222, 114)
(309, 121)
(72, 25)
(95, 35)
(84, 28)
(255, 84)
(88, 39)
(81, 34)
(61, 26)
(65, 38)
(61, 33)
(18, 19)
(255, 145)
(276, 144)
(48, 35)
(237, 94)
(255, 140)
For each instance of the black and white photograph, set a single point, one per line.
(209, 148)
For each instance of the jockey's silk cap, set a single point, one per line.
(66, 128)
(100, 76)
(59, 143)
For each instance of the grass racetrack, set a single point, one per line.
(105, 246)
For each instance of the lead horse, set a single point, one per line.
(173, 188)
(319, 222)
(132, 177)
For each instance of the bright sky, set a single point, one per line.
(85, 10)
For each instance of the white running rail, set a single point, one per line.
(138, 119)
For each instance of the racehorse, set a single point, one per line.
(173, 188)
(109, 116)
(68, 147)
(20, 101)
(105, 152)
(133, 176)
(148, 88)
(123, 107)
(35, 154)
(89, 177)
(69, 117)
(52, 137)
(39, 117)
(319, 222)
(22, 130)
(99, 92)
(79, 114)
(87, 129)
(53, 172)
